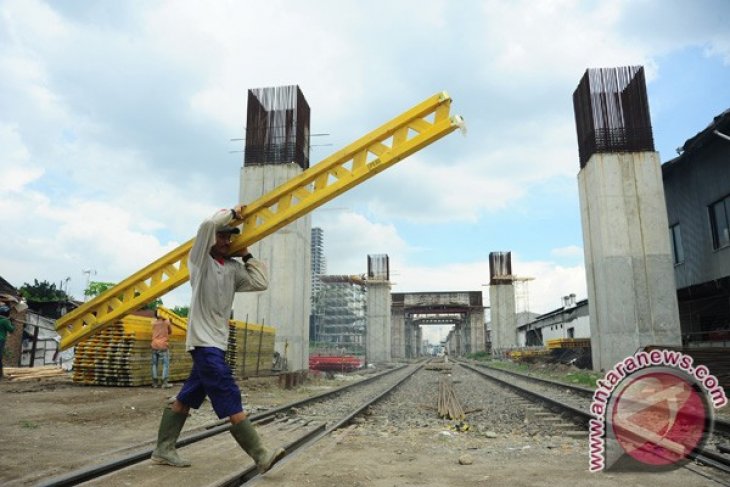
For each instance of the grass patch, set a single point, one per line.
(479, 356)
(587, 379)
(502, 364)
(28, 425)
(584, 378)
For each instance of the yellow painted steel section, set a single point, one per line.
(254, 327)
(175, 319)
(407, 133)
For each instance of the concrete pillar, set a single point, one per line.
(631, 289)
(397, 334)
(413, 340)
(476, 330)
(378, 334)
(504, 318)
(419, 341)
(286, 304)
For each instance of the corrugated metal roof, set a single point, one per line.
(720, 123)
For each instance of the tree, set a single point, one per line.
(98, 287)
(181, 310)
(42, 291)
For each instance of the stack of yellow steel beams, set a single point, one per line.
(120, 355)
(250, 349)
(569, 343)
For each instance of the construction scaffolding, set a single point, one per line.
(340, 313)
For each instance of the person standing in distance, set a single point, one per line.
(6, 326)
(161, 331)
(215, 276)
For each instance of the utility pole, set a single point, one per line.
(89, 273)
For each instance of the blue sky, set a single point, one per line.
(116, 120)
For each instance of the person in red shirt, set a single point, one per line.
(161, 330)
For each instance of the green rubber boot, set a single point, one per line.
(170, 427)
(246, 436)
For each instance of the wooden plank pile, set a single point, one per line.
(250, 349)
(448, 405)
(120, 355)
(25, 374)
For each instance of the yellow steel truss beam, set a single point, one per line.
(175, 319)
(383, 147)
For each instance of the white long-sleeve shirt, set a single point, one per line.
(215, 284)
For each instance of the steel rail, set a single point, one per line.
(85, 474)
(705, 456)
(306, 441)
(720, 426)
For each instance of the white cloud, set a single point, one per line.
(569, 251)
(115, 120)
(15, 166)
(349, 237)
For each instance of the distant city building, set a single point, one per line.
(319, 262)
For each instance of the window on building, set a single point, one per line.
(675, 237)
(571, 332)
(720, 223)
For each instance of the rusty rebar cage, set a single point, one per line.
(379, 267)
(277, 126)
(500, 267)
(612, 112)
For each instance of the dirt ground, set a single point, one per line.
(54, 426)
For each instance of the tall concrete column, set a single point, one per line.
(397, 334)
(629, 267)
(419, 341)
(504, 317)
(378, 333)
(476, 329)
(502, 301)
(631, 290)
(465, 334)
(286, 304)
(413, 339)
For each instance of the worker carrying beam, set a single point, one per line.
(215, 276)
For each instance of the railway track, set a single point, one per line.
(292, 426)
(573, 402)
(401, 401)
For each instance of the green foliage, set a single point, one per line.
(28, 424)
(181, 310)
(480, 356)
(152, 305)
(587, 379)
(517, 367)
(98, 287)
(42, 291)
(580, 377)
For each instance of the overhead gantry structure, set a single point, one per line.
(407, 133)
